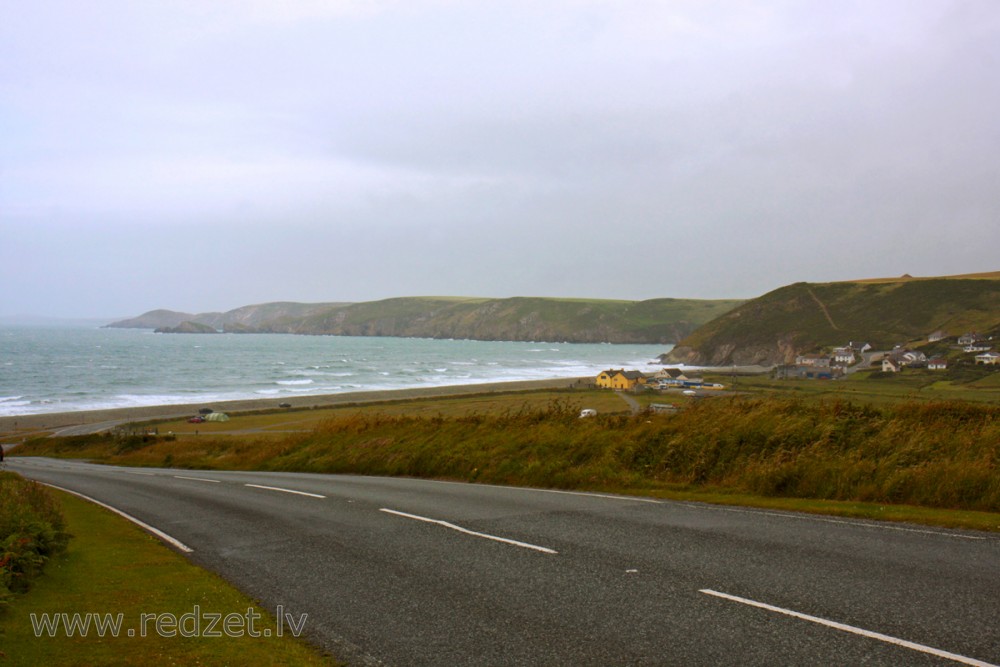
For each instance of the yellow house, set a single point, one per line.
(620, 379)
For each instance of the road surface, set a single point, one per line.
(415, 572)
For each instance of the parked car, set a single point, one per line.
(196, 420)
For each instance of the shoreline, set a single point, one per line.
(48, 421)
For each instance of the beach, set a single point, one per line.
(23, 425)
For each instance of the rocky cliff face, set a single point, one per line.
(783, 351)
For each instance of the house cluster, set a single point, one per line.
(824, 366)
(975, 343)
(855, 354)
(667, 378)
(901, 357)
(969, 343)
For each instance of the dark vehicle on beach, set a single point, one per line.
(206, 411)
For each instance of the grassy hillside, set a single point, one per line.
(519, 318)
(804, 317)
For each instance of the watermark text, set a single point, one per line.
(195, 623)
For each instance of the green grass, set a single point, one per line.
(113, 567)
(877, 388)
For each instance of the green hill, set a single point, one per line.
(806, 317)
(518, 319)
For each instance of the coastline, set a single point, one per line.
(25, 424)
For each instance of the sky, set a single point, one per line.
(201, 155)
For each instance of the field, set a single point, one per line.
(278, 423)
(978, 385)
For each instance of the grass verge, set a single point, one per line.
(112, 567)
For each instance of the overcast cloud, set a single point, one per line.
(203, 155)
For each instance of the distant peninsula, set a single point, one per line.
(653, 321)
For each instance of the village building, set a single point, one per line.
(620, 379)
(969, 338)
(907, 357)
(988, 358)
(816, 360)
(890, 365)
(937, 335)
(670, 374)
(937, 364)
(844, 356)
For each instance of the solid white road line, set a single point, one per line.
(278, 488)
(631, 499)
(466, 531)
(861, 524)
(197, 479)
(587, 494)
(145, 526)
(850, 628)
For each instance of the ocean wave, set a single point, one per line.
(318, 373)
(60, 380)
(13, 408)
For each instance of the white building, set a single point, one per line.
(988, 358)
(844, 355)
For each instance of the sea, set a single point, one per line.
(45, 369)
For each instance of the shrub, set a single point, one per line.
(32, 529)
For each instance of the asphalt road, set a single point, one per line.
(412, 572)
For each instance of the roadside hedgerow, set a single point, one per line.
(32, 530)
